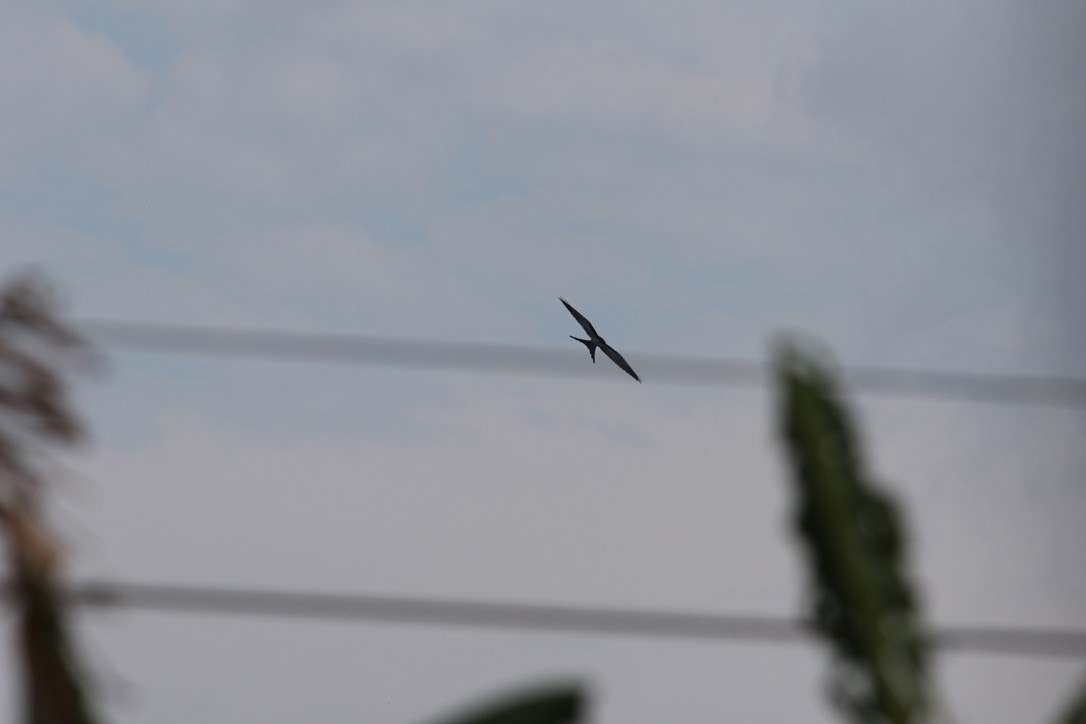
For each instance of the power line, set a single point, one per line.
(535, 360)
(536, 618)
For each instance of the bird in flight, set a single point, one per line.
(595, 340)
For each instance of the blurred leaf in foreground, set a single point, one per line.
(557, 705)
(861, 599)
(34, 413)
(1076, 710)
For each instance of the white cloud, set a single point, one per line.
(64, 89)
(968, 110)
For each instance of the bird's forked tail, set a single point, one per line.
(587, 343)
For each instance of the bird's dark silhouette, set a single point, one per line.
(595, 340)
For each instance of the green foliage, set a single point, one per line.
(861, 599)
(558, 705)
(34, 410)
(56, 689)
(1076, 710)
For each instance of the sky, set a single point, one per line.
(902, 181)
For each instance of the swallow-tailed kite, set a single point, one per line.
(595, 340)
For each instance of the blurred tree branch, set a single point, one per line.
(1076, 709)
(861, 600)
(557, 705)
(34, 410)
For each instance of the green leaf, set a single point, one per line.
(1076, 710)
(860, 597)
(557, 705)
(34, 409)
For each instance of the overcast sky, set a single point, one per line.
(902, 180)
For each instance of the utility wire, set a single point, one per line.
(534, 360)
(536, 618)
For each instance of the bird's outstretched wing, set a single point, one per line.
(618, 360)
(581, 320)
